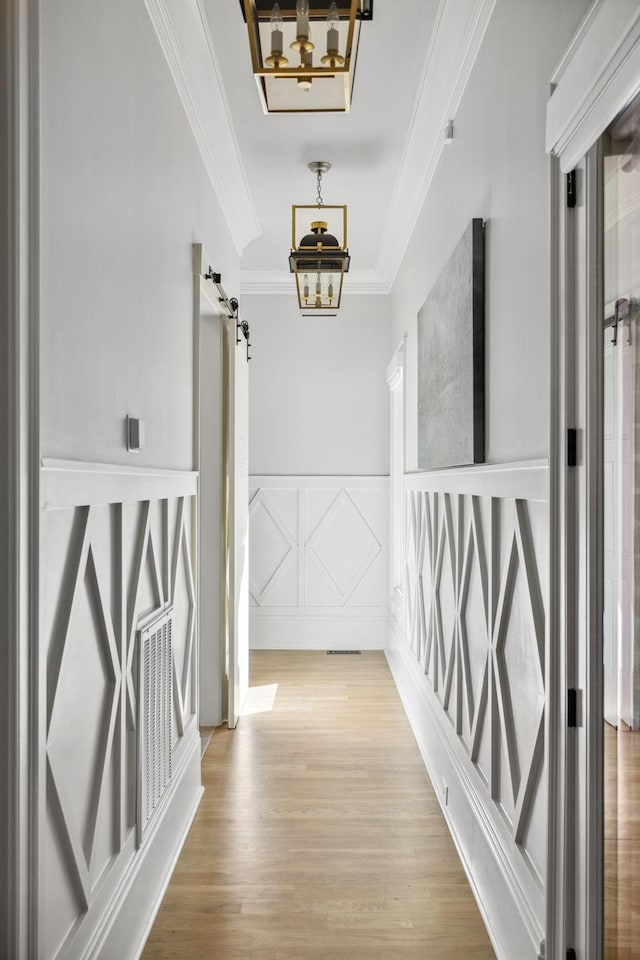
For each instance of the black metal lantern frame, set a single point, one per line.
(321, 258)
(305, 64)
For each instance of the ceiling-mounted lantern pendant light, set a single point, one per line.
(321, 258)
(304, 52)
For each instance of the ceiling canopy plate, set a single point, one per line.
(318, 9)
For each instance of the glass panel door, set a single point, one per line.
(621, 541)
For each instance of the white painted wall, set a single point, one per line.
(318, 457)
(496, 168)
(124, 194)
(318, 397)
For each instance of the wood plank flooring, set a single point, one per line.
(622, 843)
(319, 836)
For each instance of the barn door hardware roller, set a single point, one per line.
(231, 305)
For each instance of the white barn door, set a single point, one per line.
(611, 532)
(619, 481)
(237, 523)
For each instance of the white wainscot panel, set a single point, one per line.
(318, 562)
(110, 560)
(469, 660)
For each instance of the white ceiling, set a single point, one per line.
(367, 147)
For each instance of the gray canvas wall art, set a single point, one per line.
(451, 359)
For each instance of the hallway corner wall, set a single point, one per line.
(469, 639)
(319, 464)
(125, 194)
(468, 654)
(318, 567)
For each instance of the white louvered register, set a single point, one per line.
(154, 712)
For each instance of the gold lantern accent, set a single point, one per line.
(321, 258)
(304, 52)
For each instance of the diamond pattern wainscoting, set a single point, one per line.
(318, 562)
(470, 659)
(116, 552)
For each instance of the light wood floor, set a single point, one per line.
(319, 836)
(622, 844)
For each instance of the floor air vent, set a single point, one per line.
(344, 653)
(155, 706)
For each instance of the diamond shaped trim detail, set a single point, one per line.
(182, 554)
(82, 852)
(343, 521)
(430, 534)
(265, 513)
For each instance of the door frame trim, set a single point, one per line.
(207, 303)
(232, 344)
(561, 585)
(19, 483)
(588, 90)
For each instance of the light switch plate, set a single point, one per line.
(135, 434)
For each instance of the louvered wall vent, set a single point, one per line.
(155, 706)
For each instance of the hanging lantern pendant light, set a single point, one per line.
(320, 251)
(289, 57)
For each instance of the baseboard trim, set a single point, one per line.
(317, 633)
(167, 880)
(141, 891)
(416, 705)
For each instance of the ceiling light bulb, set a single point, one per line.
(276, 31)
(305, 291)
(276, 59)
(302, 43)
(318, 286)
(302, 18)
(333, 57)
(330, 291)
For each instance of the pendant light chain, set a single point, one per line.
(321, 259)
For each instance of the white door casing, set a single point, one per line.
(395, 382)
(19, 478)
(598, 76)
(237, 521)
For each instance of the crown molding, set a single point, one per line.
(596, 78)
(276, 282)
(185, 40)
(459, 30)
